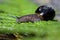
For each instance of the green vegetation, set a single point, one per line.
(43, 30)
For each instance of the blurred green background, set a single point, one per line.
(43, 30)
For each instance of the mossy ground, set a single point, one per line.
(51, 29)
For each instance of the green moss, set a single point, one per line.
(43, 30)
